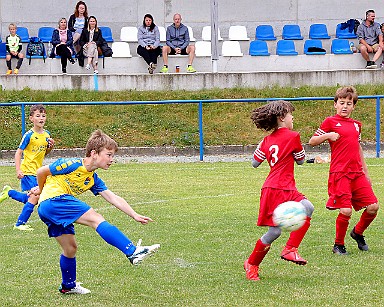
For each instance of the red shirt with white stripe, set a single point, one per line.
(281, 149)
(346, 150)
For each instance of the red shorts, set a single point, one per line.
(349, 190)
(270, 198)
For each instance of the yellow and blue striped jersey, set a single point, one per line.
(69, 176)
(34, 146)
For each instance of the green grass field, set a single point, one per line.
(205, 217)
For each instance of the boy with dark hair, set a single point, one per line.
(349, 185)
(281, 149)
(59, 208)
(34, 146)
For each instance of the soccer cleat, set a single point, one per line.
(142, 252)
(16, 71)
(339, 250)
(360, 240)
(4, 193)
(291, 254)
(23, 227)
(164, 70)
(9, 72)
(78, 289)
(190, 69)
(251, 271)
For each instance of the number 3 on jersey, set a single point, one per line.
(274, 150)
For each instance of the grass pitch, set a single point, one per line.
(205, 216)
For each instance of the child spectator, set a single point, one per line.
(13, 47)
(281, 149)
(60, 183)
(62, 42)
(349, 185)
(77, 22)
(35, 144)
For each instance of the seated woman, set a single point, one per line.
(90, 39)
(62, 42)
(77, 22)
(148, 37)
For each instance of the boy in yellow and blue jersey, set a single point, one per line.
(35, 144)
(13, 47)
(60, 183)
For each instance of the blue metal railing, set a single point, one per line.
(200, 110)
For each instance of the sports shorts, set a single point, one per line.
(60, 212)
(183, 51)
(270, 198)
(28, 182)
(349, 190)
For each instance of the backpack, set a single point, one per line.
(35, 47)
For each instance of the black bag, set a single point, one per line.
(105, 49)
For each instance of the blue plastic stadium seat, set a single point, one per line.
(292, 32)
(107, 34)
(259, 48)
(45, 34)
(3, 50)
(341, 46)
(344, 33)
(265, 32)
(23, 33)
(313, 43)
(286, 47)
(318, 31)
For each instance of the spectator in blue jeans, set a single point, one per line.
(178, 43)
(148, 37)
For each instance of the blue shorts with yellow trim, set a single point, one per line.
(60, 212)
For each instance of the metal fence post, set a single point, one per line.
(201, 137)
(22, 119)
(377, 127)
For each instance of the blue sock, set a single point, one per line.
(25, 214)
(19, 196)
(112, 235)
(68, 271)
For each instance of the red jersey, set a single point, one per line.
(281, 149)
(346, 150)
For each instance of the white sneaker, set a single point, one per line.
(96, 72)
(23, 227)
(87, 67)
(142, 252)
(76, 290)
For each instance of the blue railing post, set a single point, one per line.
(96, 82)
(377, 127)
(201, 137)
(22, 119)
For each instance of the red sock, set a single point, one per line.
(342, 222)
(365, 220)
(297, 236)
(258, 253)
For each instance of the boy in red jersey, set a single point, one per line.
(281, 149)
(349, 184)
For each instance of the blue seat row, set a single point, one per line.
(293, 32)
(311, 46)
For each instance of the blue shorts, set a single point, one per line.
(59, 214)
(28, 182)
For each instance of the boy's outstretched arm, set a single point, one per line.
(318, 139)
(18, 156)
(255, 163)
(121, 204)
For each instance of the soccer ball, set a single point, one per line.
(289, 216)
